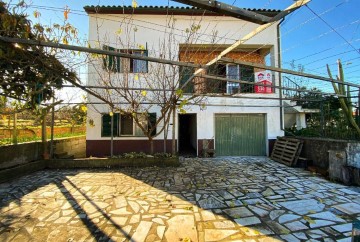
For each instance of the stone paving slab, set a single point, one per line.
(218, 199)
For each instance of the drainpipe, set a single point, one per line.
(280, 78)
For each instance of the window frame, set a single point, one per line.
(230, 86)
(116, 124)
(242, 87)
(135, 129)
(120, 62)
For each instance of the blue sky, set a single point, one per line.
(305, 38)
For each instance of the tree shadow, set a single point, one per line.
(206, 185)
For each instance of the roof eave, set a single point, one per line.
(161, 10)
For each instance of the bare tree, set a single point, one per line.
(136, 89)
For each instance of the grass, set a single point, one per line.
(9, 141)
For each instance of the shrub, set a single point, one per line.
(162, 155)
(134, 155)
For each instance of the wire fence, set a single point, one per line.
(328, 122)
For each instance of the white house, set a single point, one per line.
(234, 119)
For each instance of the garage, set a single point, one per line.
(240, 134)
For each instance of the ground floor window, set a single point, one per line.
(124, 125)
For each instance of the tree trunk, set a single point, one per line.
(166, 129)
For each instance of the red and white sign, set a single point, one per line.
(265, 78)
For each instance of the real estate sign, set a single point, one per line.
(265, 78)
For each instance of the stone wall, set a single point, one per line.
(14, 155)
(75, 146)
(317, 150)
(353, 154)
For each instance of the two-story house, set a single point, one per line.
(233, 118)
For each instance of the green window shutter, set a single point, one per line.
(185, 73)
(106, 125)
(247, 74)
(152, 123)
(110, 62)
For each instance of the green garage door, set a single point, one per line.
(240, 134)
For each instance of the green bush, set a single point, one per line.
(162, 155)
(134, 155)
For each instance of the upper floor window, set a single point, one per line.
(125, 65)
(242, 73)
(185, 73)
(231, 71)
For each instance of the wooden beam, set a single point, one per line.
(224, 79)
(244, 39)
(291, 72)
(228, 10)
(290, 9)
(98, 51)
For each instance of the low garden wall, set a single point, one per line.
(317, 149)
(341, 158)
(14, 155)
(112, 162)
(87, 163)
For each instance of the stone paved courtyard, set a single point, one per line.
(221, 199)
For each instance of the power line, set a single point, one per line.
(159, 25)
(223, 37)
(322, 51)
(165, 61)
(300, 26)
(353, 47)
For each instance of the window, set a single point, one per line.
(124, 125)
(247, 74)
(242, 73)
(213, 85)
(185, 73)
(125, 65)
(232, 72)
(110, 62)
(106, 125)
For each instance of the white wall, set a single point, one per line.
(193, 133)
(206, 116)
(151, 32)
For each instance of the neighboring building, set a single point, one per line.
(245, 124)
(295, 115)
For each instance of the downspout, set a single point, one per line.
(280, 78)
